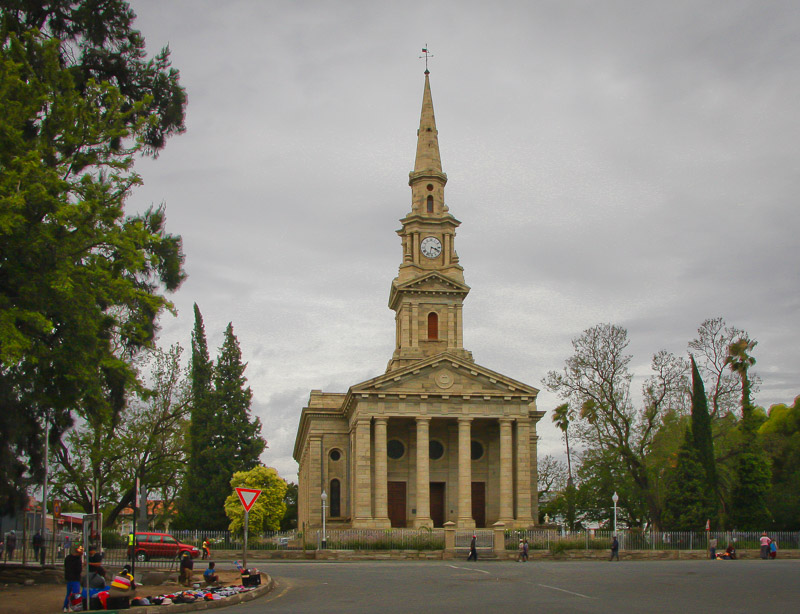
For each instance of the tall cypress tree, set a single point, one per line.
(701, 436)
(192, 508)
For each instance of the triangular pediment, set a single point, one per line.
(431, 283)
(444, 375)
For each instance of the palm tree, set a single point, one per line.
(739, 360)
(561, 418)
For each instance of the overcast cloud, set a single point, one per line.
(624, 162)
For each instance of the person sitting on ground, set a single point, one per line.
(187, 565)
(96, 562)
(210, 574)
(124, 581)
(730, 553)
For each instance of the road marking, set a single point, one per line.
(555, 588)
(469, 569)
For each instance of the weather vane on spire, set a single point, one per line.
(425, 51)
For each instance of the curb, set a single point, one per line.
(208, 605)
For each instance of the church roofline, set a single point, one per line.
(516, 389)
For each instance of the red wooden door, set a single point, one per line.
(437, 503)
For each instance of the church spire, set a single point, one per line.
(428, 158)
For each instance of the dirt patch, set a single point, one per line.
(49, 598)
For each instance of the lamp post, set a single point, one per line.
(324, 497)
(615, 498)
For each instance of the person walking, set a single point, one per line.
(525, 550)
(614, 549)
(712, 547)
(773, 549)
(765, 542)
(73, 566)
(36, 542)
(206, 549)
(520, 548)
(473, 549)
(11, 543)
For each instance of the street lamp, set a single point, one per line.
(615, 498)
(324, 497)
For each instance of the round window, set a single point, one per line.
(476, 450)
(335, 455)
(395, 449)
(430, 187)
(435, 449)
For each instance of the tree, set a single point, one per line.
(237, 436)
(81, 283)
(230, 440)
(561, 418)
(289, 520)
(269, 508)
(596, 378)
(702, 442)
(753, 476)
(780, 435)
(200, 457)
(98, 44)
(108, 456)
(689, 502)
(710, 349)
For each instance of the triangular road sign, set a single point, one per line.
(248, 496)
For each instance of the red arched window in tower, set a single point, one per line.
(433, 325)
(430, 204)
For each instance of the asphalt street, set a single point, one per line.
(582, 586)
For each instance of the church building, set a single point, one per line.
(437, 437)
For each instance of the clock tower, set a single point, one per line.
(428, 293)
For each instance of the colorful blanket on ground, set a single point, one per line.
(193, 595)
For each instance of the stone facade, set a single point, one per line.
(437, 437)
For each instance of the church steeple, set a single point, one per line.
(429, 290)
(428, 158)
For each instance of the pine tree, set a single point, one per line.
(200, 461)
(702, 439)
(234, 441)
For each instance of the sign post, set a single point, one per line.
(248, 497)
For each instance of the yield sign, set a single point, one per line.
(248, 496)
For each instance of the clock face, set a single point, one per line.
(431, 247)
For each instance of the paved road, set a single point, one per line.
(385, 587)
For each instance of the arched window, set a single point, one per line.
(430, 204)
(433, 325)
(336, 497)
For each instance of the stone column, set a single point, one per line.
(362, 476)
(315, 480)
(423, 518)
(526, 488)
(465, 520)
(381, 474)
(506, 473)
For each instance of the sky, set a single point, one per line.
(626, 162)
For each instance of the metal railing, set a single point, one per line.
(632, 539)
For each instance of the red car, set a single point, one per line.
(160, 546)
